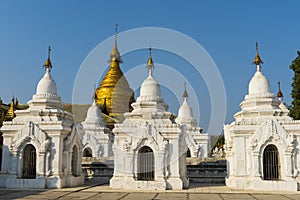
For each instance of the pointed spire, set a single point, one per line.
(10, 113)
(279, 93)
(17, 102)
(185, 94)
(94, 95)
(116, 35)
(150, 63)
(48, 64)
(257, 59)
(115, 54)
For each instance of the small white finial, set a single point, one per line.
(257, 67)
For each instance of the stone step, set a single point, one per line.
(204, 172)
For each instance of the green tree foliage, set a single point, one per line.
(295, 107)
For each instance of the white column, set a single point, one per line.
(256, 165)
(289, 166)
(159, 165)
(6, 155)
(129, 165)
(40, 164)
(174, 158)
(57, 152)
(14, 163)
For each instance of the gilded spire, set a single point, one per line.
(150, 63)
(113, 93)
(48, 64)
(279, 93)
(257, 59)
(10, 113)
(115, 54)
(185, 94)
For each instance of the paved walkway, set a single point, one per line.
(196, 192)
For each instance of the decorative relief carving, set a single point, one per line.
(272, 131)
(126, 145)
(73, 138)
(31, 132)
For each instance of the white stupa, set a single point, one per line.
(149, 147)
(260, 144)
(42, 145)
(196, 141)
(97, 139)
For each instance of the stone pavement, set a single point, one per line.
(195, 192)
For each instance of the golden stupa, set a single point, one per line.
(114, 96)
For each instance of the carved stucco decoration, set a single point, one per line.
(272, 131)
(32, 133)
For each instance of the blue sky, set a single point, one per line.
(227, 30)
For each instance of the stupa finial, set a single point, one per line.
(185, 94)
(279, 93)
(94, 95)
(150, 63)
(257, 59)
(48, 64)
(116, 34)
(115, 54)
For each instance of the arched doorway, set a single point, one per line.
(87, 152)
(29, 162)
(74, 162)
(271, 165)
(145, 164)
(188, 153)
